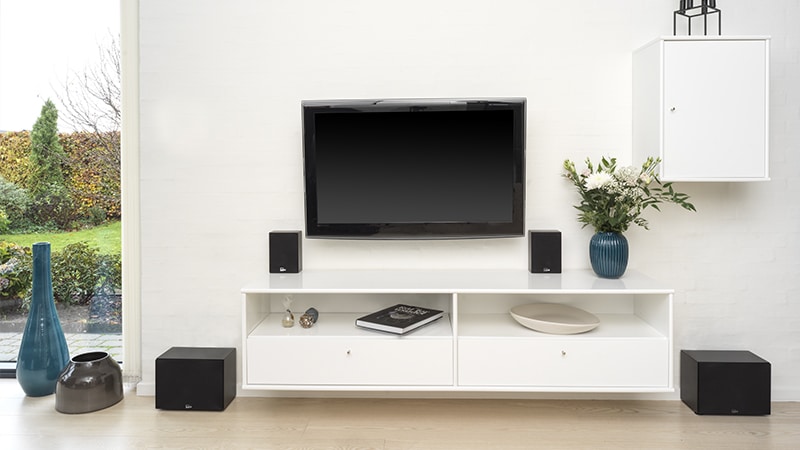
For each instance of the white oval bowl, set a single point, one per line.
(554, 318)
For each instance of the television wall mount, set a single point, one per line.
(694, 8)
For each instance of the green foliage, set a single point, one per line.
(612, 199)
(53, 209)
(4, 221)
(109, 272)
(75, 273)
(79, 272)
(91, 177)
(97, 216)
(15, 150)
(47, 156)
(52, 203)
(16, 270)
(14, 201)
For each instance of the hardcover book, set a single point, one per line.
(399, 319)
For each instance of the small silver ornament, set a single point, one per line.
(288, 319)
(310, 317)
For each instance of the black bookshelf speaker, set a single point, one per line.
(285, 251)
(196, 378)
(545, 251)
(725, 382)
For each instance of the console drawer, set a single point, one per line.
(277, 360)
(569, 362)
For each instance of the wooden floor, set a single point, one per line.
(286, 423)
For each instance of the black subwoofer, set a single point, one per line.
(725, 382)
(196, 378)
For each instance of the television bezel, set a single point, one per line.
(415, 230)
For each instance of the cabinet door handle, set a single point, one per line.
(672, 109)
(563, 353)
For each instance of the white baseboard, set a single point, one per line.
(783, 395)
(146, 389)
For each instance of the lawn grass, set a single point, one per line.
(107, 238)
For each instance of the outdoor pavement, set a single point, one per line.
(78, 343)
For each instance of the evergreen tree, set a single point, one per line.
(47, 155)
(51, 201)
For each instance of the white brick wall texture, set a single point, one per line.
(221, 164)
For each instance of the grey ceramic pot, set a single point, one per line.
(91, 381)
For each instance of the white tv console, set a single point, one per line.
(477, 346)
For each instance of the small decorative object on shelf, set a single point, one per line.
(554, 318)
(309, 318)
(695, 8)
(43, 351)
(611, 200)
(288, 317)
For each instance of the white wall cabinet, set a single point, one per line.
(701, 104)
(477, 346)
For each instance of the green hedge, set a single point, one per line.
(92, 177)
(15, 150)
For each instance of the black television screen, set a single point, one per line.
(414, 169)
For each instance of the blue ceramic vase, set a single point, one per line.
(608, 253)
(43, 352)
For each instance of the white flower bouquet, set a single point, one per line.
(612, 198)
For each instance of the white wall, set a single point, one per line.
(221, 84)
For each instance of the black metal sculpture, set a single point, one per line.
(694, 8)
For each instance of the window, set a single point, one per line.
(79, 45)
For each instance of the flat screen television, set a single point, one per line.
(414, 169)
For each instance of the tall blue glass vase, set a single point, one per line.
(608, 253)
(43, 352)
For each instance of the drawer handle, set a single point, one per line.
(563, 353)
(348, 352)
